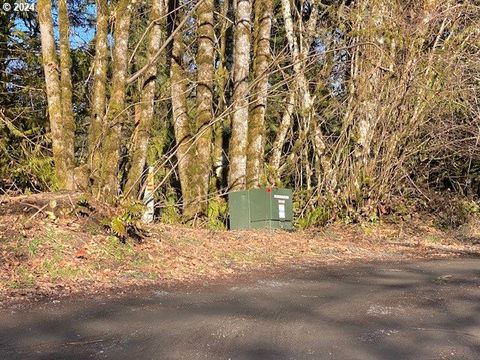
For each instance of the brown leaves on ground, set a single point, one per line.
(74, 254)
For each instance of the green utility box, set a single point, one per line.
(261, 209)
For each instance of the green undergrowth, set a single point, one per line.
(217, 214)
(52, 256)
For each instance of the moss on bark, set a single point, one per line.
(182, 126)
(61, 130)
(66, 80)
(142, 131)
(99, 92)
(239, 139)
(261, 61)
(205, 59)
(108, 175)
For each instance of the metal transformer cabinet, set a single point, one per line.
(261, 209)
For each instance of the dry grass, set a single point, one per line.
(65, 255)
(47, 250)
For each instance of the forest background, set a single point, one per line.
(366, 109)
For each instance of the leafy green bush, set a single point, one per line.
(127, 225)
(217, 214)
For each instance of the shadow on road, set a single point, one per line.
(427, 310)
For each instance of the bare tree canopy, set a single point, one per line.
(357, 106)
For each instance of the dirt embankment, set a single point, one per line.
(50, 247)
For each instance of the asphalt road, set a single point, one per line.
(428, 310)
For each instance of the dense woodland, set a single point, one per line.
(365, 108)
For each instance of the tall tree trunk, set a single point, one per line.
(369, 81)
(142, 132)
(62, 130)
(99, 96)
(5, 23)
(65, 76)
(109, 185)
(299, 39)
(285, 125)
(239, 139)
(205, 66)
(181, 122)
(298, 58)
(222, 76)
(261, 62)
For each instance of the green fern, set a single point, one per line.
(127, 225)
(217, 214)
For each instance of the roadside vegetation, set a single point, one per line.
(63, 250)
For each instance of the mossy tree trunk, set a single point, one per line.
(108, 181)
(278, 144)
(66, 77)
(181, 121)
(261, 62)
(147, 96)
(222, 76)
(62, 128)
(300, 35)
(239, 138)
(99, 95)
(205, 66)
(303, 97)
(368, 80)
(5, 23)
